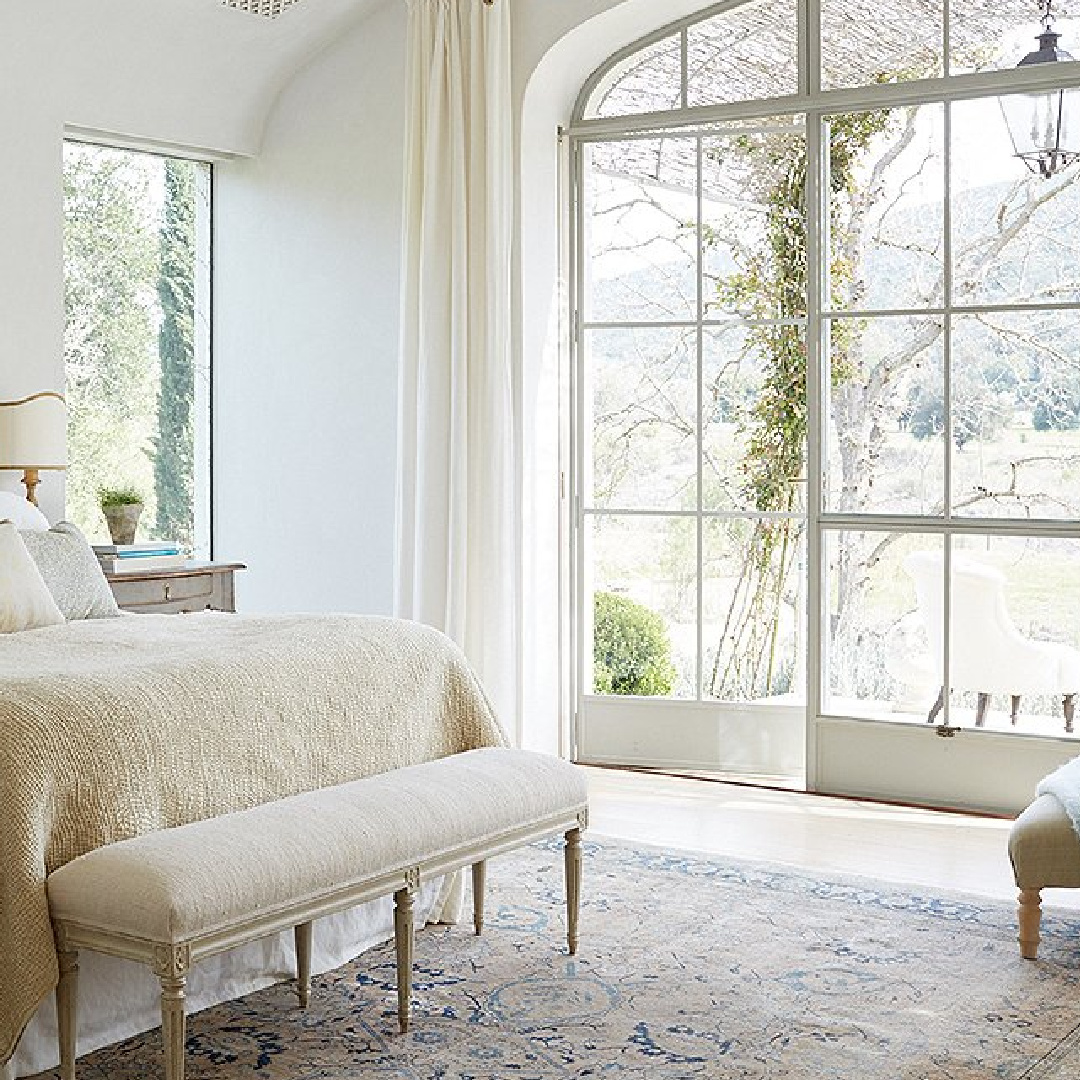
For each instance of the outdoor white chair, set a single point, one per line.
(987, 653)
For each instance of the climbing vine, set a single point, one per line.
(772, 285)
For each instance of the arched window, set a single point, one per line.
(826, 336)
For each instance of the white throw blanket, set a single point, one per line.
(1064, 785)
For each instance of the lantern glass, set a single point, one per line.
(1044, 128)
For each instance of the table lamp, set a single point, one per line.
(33, 436)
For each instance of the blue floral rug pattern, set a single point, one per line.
(689, 966)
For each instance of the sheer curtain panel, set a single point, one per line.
(457, 506)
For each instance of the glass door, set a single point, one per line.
(691, 516)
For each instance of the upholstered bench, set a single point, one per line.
(1045, 853)
(174, 897)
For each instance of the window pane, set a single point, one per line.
(136, 364)
(754, 609)
(998, 33)
(643, 400)
(754, 416)
(886, 416)
(864, 42)
(648, 81)
(887, 208)
(644, 592)
(1013, 234)
(641, 229)
(1016, 415)
(742, 54)
(754, 224)
(884, 648)
(1015, 635)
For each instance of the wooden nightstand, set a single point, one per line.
(192, 586)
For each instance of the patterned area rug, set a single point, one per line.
(689, 966)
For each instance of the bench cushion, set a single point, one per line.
(177, 885)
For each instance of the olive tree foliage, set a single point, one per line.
(111, 264)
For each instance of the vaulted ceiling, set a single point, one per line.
(200, 72)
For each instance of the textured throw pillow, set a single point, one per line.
(24, 514)
(25, 602)
(72, 572)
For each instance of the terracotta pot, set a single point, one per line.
(122, 521)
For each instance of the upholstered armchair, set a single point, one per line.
(987, 653)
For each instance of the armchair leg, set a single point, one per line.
(1068, 705)
(980, 709)
(1015, 713)
(937, 706)
(1030, 915)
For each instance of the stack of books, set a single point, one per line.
(133, 558)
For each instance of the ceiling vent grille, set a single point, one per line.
(268, 9)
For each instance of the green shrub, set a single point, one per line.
(631, 648)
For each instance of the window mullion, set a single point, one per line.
(700, 337)
(817, 246)
(809, 46)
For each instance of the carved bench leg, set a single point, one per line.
(479, 877)
(66, 1010)
(171, 964)
(1014, 712)
(302, 937)
(980, 709)
(1030, 915)
(1068, 707)
(173, 1025)
(572, 857)
(403, 939)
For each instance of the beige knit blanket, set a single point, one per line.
(113, 727)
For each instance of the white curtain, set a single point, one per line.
(457, 508)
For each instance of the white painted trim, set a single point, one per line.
(121, 141)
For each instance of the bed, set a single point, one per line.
(111, 727)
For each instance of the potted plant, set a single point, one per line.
(121, 507)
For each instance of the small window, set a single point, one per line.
(136, 341)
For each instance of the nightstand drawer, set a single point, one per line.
(176, 593)
(192, 586)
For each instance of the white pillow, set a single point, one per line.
(71, 572)
(19, 510)
(25, 601)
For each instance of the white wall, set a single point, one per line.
(184, 72)
(307, 263)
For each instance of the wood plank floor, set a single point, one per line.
(889, 843)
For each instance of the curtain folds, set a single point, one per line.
(457, 505)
